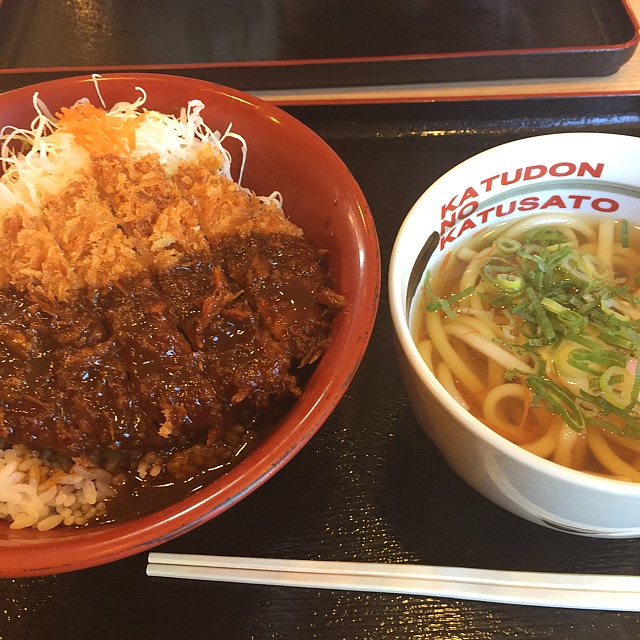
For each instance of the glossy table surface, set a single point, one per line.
(369, 486)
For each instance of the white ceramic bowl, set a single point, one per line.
(577, 173)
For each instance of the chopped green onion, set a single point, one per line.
(509, 282)
(594, 384)
(552, 305)
(588, 409)
(599, 270)
(583, 340)
(519, 349)
(583, 359)
(456, 297)
(545, 236)
(572, 319)
(629, 420)
(558, 400)
(498, 301)
(507, 245)
(616, 340)
(588, 306)
(624, 233)
(635, 390)
(532, 259)
(503, 275)
(580, 359)
(609, 426)
(559, 254)
(609, 307)
(613, 379)
(616, 384)
(577, 269)
(541, 316)
(436, 303)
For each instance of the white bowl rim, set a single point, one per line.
(410, 350)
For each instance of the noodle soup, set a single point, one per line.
(534, 328)
(586, 179)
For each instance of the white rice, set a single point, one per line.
(36, 494)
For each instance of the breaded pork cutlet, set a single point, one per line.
(64, 386)
(149, 207)
(241, 358)
(99, 405)
(286, 280)
(223, 208)
(159, 312)
(83, 226)
(160, 362)
(282, 276)
(30, 258)
(24, 353)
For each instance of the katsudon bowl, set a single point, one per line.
(322, 198)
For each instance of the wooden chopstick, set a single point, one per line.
(579, 591)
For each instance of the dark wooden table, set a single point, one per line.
(369, 486)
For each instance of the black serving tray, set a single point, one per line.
(284, 44)
(370, 486)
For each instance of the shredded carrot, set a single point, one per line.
(446, 259)
(97, 131)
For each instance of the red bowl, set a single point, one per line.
(322, 197)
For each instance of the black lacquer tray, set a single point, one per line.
(369, 486)
(285, 44)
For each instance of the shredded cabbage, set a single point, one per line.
(43, 158)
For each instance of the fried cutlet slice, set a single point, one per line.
(166, 372)
(242, 359)
(224, 208)
(64, 386)
(88, 234)
(149, 207)
(30, 399)
(31, 259)
(25, 369)
(98, 398)
(285, 279)
(99, 403)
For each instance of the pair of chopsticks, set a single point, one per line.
(579, 591)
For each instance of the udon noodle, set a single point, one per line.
(535, 329)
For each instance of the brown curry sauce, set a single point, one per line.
(195, 363)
